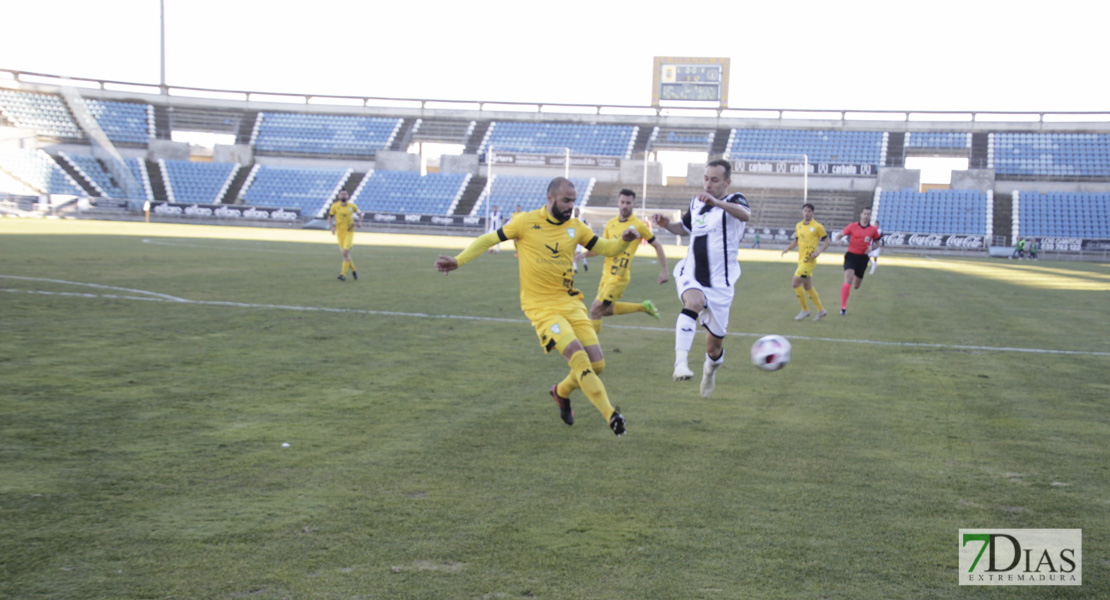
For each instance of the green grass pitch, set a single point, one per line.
(152, 373)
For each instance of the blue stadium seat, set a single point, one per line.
(127, 122)
(409, 192)
(46, 114)
(935, 211)
(92, 168)
(852, 147)
(1051, 154)
(308, 190)
(36, 169)
(342, 135)
(507, 191)
(197, 182)
(1064, 214)
(553, 138)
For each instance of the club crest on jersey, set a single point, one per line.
(555, 329)
(570, 231)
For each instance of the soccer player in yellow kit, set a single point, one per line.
(546, 239)
(808, 235)
(341, 221)
(617, 271)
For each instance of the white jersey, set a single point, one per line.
(494, 222)
(715, 237)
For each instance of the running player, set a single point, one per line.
(342, 224)
(706, 278)
(546, 239)
(617, 272)
(861, 237)
(808, 234)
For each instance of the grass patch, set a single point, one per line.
(142, 423)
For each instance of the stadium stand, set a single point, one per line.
(311, 134)
(546, 138)
(126, 122)
(409, 192)
(309, 190)
(530, 193)
(934, 211)
(938, 140)
(46, 114)
(196, 182)
(94, 171)
(36, 169)
(1064, 214)
(1050, 154)
(853, 147)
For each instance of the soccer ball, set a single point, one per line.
(771, 352)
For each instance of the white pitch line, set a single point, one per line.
(154, 297)
(98, 286)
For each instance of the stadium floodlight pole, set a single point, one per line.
(162, 83)
(489, 181)
(805, 179)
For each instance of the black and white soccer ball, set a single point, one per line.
(771, 352)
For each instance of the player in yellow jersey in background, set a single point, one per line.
(546, 239)
(617, 272)
(808, 235)
(341, 221)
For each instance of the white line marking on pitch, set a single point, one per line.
(97, 285)
(156, 297)
(152, 296)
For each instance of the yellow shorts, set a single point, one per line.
(345, 238)
(611, 289)
(805, 269)
(557, 328)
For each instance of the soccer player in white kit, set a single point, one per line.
(707, 277)
(493, 224)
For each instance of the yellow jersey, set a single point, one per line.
(809, 237)
(546, 256)
(344, 215)
(620, 266)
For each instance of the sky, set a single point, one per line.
(943, 55)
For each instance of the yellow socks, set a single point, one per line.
(816, 299)
(800, 292)
(623, 308)
(583, 372)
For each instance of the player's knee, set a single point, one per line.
(598, 366)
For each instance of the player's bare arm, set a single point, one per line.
(824, 245)
(738, 211)
(793, 245)
(664, 277)
(665, 222)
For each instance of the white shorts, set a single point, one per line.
(875, 253)
(718, 301)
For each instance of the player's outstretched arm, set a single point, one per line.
(613, 247)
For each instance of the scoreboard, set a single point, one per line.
(690, 79)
